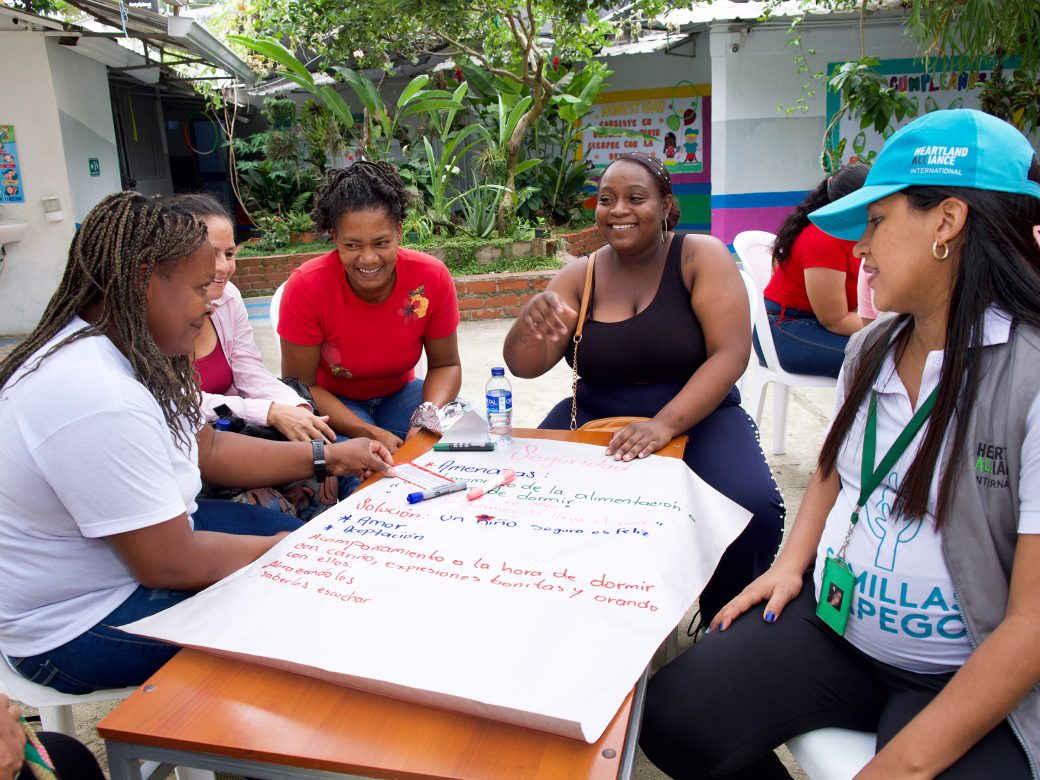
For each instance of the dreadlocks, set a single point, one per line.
(364, 185)
(122, 241)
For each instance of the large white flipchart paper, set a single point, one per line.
(539, 604)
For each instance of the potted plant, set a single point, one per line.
(300, 226)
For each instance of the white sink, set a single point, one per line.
(11, 231)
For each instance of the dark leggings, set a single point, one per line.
(723, 450)
(721, 708)
(72, 760)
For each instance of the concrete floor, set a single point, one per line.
(480, 344)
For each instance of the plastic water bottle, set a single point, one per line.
(499, 395)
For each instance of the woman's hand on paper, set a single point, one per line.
(544, 316)
(777, 587)
(12, 739)
(362, 457)
(639, 439)
(297, 423)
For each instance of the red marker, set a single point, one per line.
(507, 476)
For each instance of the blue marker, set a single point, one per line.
(441, 490)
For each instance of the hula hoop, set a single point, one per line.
(187, 135)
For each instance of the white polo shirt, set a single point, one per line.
(86, 453)
(905, 611)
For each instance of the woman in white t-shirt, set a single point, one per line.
(906, 599)
(104, 450)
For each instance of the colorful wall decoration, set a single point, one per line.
(930, 90)
(678, 118)
(11, 190)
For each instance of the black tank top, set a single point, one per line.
(662, 343)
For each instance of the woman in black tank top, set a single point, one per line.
(666, 335)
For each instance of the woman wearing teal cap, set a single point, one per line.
(906, 600)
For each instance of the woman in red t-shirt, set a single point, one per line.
(353, 323)
(811, 298)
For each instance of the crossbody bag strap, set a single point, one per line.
(586, 295)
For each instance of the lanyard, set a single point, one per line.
(871, 477)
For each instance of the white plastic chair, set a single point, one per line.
(754, 399)
(276, 301)
(56, 713)
(833, 754)
(755, 250)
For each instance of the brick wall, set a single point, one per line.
(482, 297)
(497, 296)
(581, 242)
(261, 275)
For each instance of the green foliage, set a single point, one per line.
(969, 31)
(864, 94)
(299, 221)
(502, 36)
(1015, 99)
(296, 72)
(960, 33)
(270, 185)
(51, 8)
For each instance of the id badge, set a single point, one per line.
(836, 594)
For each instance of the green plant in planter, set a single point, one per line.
(299, 222)
(417, 228)
(275, 233)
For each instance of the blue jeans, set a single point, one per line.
(105, 657)
(390, 412)
(803, 345)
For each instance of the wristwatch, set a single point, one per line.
(318, 450)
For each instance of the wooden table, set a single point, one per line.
(201, 710)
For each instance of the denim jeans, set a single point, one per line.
(803, 345)
(390, 412)
(105, 657)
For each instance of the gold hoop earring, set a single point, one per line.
(935, 251)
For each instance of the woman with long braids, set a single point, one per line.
(812, 296)
(906, 599)
(104, 451)
(354, 322)
(666, 335)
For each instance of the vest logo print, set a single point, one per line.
(990, 466)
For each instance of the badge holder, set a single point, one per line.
(836, 594)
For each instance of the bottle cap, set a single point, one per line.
(498, 371)
(223, 424)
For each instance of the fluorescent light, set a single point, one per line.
(198, 40)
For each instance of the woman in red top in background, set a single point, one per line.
(354, 322)
(811, 299)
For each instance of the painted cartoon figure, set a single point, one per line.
(669, 146)
(690, 144)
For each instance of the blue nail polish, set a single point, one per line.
(722, 626)
(770, 617)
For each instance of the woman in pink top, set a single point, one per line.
(234, 375)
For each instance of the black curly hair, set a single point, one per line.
(364, 185)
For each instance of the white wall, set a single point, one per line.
(85, 117)
(645, 71)
(34, 265)
(756, 148)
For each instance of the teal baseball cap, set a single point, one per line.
(949, 148)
